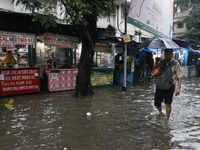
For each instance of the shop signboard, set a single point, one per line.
(126, 38)
(99, 79)
(51, 39)
(102, 47)
(118, 49)
(10, 39)
(19, 81)
(152, 16)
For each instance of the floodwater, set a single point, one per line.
(111, 119)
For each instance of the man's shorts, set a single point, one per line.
(166, 95)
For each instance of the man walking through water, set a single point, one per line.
(170, 73)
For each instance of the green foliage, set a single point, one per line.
(193, 25)
(9, 105)
(77, 13)
(185, 4)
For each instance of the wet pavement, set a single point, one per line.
(111, 119)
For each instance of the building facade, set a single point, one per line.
(178, 24)
(116, 19)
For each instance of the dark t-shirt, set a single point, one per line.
(150, 63)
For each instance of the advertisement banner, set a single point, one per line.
(51, 39)
(19, 81)
(154, 16)
(10, 39)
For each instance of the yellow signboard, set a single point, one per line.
(126, 38)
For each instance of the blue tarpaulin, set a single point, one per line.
(153, 50)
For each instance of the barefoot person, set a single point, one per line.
(170, 70)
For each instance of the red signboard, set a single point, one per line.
(63, 80)
(19, 81)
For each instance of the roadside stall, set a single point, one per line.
(62, 47)
(188, 59)
(104, 62)
(19, 80)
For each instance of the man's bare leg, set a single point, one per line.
(168, 111)
(160, 110)
(128, 77)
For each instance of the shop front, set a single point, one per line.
(21, 78)
(187, 58)
(104, 64)
(60, 49)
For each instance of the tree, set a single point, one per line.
(184, 4)
(193, 24)
(193, 19)
(82, 15)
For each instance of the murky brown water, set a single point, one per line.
(118, 120)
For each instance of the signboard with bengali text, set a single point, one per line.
(154, 16)
(51, 39)
(19, 81)
(10, 39)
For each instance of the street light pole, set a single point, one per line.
(125, 52)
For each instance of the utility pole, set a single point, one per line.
(125, 52)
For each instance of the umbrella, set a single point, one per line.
(158, 43)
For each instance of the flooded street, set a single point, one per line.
(111, 119)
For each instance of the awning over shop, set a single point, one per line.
(192, 50)
(153, 50)
(150, 51)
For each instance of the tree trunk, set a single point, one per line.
(83, 80)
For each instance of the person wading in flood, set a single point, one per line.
(170, 73)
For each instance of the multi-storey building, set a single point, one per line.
(178, 23)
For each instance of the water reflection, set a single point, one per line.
(117, 120)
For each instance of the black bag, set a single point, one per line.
(165, 81)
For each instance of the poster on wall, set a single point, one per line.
(192, 72)
(153, 16)
(10, 39)
(185, 71)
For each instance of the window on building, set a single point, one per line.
(180, 25)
